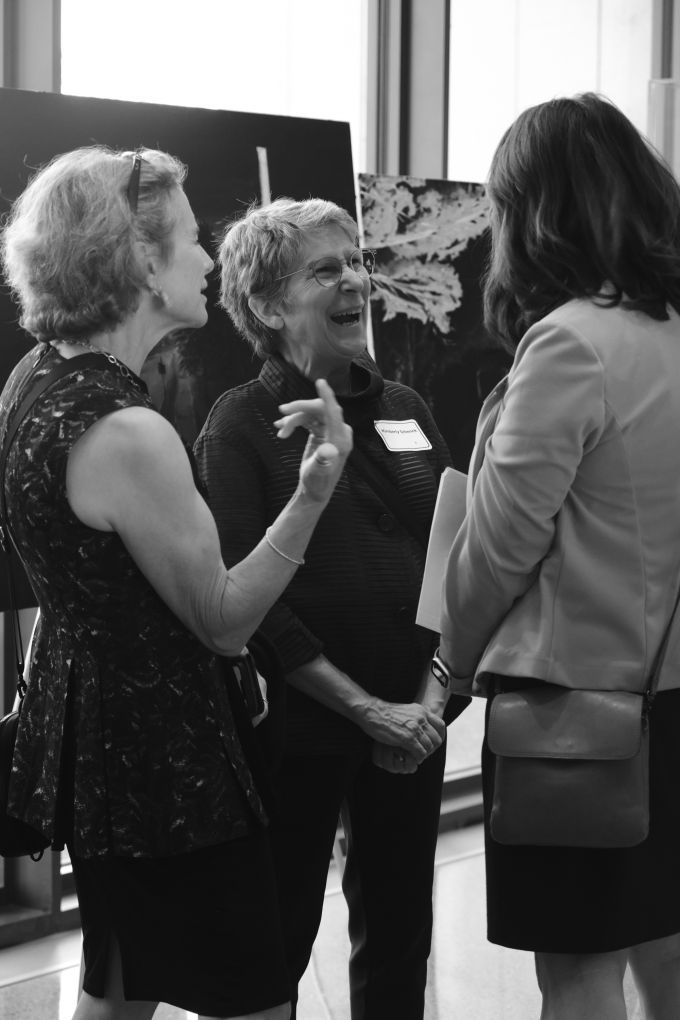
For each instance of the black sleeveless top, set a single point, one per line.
(157, 766)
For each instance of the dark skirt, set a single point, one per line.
(566, 900)
(200, 931)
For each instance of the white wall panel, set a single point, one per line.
(509, 54)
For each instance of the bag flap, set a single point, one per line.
(552, 722)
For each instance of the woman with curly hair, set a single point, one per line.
(364, 734)
(128, 750)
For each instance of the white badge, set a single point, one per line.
(399, 436)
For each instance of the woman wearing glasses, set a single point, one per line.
(140, 770)
(359, 703)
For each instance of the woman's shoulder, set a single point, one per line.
(84, 379)
(70, 405)
(398, 392)
(580, 315)
(598, 334)
(91, 397)
(19, 378)
(594, 317)
(398, 398)
(236, 407)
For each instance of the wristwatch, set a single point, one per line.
(440, 671)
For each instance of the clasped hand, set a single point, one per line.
(391, 759)
(404, 734)
(329, 443)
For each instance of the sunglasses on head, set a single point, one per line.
(133, 183)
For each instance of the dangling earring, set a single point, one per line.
(160, 295)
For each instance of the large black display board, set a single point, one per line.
(227, 154)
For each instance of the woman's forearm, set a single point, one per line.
(325, 683)
(431, 693)
(410, 726)
(130, 478)
(234, 604)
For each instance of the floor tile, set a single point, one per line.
(468, 977)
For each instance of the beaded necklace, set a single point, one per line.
(111, 358)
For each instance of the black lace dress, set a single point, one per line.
(127, 750)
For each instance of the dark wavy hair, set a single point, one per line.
(581, 206)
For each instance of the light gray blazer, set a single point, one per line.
(568, 561)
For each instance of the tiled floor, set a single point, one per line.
(468, 977)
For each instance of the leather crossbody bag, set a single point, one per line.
(572, 766)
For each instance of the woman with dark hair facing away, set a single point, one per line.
(140, 772)
(566, 568)
(361, 705)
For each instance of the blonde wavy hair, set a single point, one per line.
(68, 245)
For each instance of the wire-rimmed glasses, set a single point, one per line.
(328, 271)
(133, 184)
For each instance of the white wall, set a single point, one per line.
(506, 55)
(298, 58)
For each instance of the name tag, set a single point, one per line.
(400, 436)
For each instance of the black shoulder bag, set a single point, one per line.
(17, 839)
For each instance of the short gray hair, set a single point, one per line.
(67, 247)
(260, 247)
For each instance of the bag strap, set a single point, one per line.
(67, 367)
(661, 654)
(389, 494)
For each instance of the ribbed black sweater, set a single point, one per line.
(356, 596)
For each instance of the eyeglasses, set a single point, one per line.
(133, 183)
(328, 271)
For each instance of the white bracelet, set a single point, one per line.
(283, 555)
